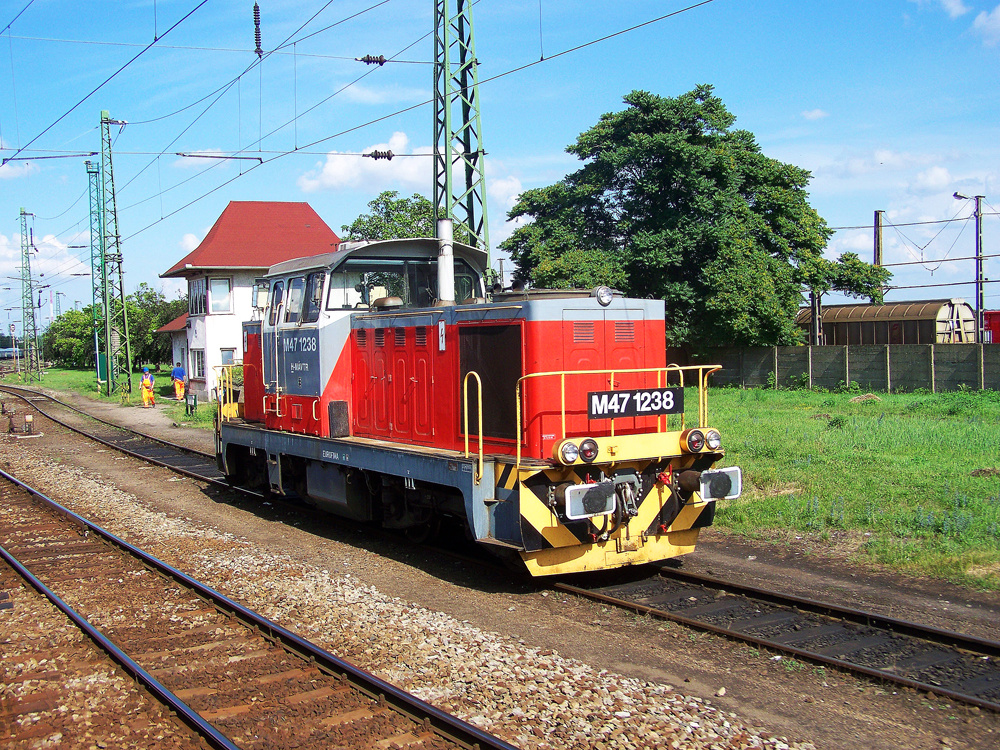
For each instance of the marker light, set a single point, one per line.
(588, 450)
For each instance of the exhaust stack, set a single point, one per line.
(446, 264)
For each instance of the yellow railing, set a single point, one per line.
(662, 374)
(479, 419)
(229, 407)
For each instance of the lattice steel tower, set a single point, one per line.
(98, 303)
(457, 125)
(116, 338)
(29, 329)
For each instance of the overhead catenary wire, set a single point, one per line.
(304, 148)
(109, 78)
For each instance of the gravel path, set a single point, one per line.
(531, 697)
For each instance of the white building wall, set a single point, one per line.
(214, 332)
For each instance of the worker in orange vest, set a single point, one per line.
(177, 375)
(146, 386)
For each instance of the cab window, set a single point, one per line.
(276, 291)
(314, 297)
(293, 307)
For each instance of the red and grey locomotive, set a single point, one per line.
(381, 385)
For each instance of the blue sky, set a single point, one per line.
(892, 105)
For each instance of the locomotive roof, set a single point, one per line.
(414, 247)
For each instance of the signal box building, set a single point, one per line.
(247, 239)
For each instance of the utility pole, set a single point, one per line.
(878, 237)
(117, 343)
(98, 306)
(458, 134)
(980, 299)
(29, 329)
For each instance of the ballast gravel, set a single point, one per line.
(530, 697)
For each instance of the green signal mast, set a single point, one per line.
(116, 338)
(457, 125)
(29, 329)
(98, 307)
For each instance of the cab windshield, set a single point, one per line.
(360, 282)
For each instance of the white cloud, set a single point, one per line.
(409, 169)
(189, 242)
(393, 95)
(815, 114)
(987, 25)
(954, 8)
(14, 169)
(934, 179)
(200, 159)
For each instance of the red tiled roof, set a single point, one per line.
(258, 234)
(177, 324)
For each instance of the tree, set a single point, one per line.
(148, 310)
(393, 218)
(69, 340)
(674, 203)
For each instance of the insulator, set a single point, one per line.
(376, 155)
(256, 30)
(372, 60)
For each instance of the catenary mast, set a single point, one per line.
(117, 346)
(29, 329)
(98, 306)
(457, 125)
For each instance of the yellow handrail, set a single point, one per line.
(465, 409)
(703, 372)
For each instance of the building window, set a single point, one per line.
(196, 296)
(228, 356)
(220, 295)
(198, 364)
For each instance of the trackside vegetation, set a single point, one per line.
(908, 480)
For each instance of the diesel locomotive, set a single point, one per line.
(381, 382)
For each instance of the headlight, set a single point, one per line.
(692, 441)
(713, 439)
(604, 295)
(568, 452)
(588, 450)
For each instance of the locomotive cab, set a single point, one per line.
(547, 422)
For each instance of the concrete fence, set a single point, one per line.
(888, 367)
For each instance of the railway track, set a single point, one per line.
(236, 679)
(944, 663)
(941, 662)
(182, 459)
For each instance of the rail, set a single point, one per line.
(662, 376)
(479, 418)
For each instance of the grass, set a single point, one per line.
(909, 480)
(85, 382)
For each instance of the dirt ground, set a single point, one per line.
(788, 698)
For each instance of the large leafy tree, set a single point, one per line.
(149, 309)
(674, 203)
(393, 218)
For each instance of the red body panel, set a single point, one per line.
(406, 390)
(253, 375)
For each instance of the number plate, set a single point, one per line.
(637, 403)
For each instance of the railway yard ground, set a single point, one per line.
(538, 668)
